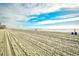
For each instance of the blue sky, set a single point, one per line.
(39, 15)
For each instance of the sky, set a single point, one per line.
(40, 15)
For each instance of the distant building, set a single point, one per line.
(2, 26)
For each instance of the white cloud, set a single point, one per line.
(69, 16)
(58, 21)
(55, 7)
(58, 27)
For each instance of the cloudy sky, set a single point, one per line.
(39, 15)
